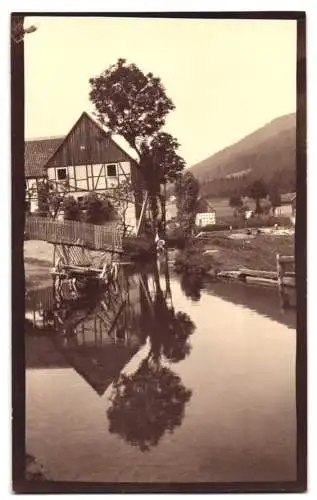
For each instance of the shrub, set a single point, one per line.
(71, 208)
(217, 227)
(192, 261)
(176, 238)
(97, 210)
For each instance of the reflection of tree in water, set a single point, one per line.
(169, 331)
(191, 286)
(152, 401)
(147, 404)
(169, 335)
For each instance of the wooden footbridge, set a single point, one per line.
(73, 233)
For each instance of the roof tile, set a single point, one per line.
(288, 197)
(37, 152)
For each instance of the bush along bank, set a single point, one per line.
(192, 261)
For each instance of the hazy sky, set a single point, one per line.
(225, 77)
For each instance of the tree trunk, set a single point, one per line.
(257, 206)
(163, 209)
(157, 279)
(168, 291)
(153, 198)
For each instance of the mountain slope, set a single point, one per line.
(268, 153)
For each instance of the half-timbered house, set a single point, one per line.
(86, 160)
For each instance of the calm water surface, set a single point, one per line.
(186, 385)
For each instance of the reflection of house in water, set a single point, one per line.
(96, 337)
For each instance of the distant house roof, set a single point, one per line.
(288, 197)
(37, 152)
(204, 206)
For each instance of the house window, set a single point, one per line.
(61, 174)
(111, 170)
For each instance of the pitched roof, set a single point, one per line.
(204, 205)
(288, 197)
(98, 366)
(37, 152)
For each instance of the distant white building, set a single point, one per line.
(206, 214)
(287, 207)
(206, 218)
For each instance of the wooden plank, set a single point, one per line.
(260, 274)
(290, 259)
(289, 282)
(289, 274)
(261, 281)
(229, 274)
(116, 318)
(145, 202)
(82, 269)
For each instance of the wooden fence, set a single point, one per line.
(106, 237)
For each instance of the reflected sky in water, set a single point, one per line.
(155, 382)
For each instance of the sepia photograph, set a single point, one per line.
(158, 256)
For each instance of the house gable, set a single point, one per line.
(86, 144)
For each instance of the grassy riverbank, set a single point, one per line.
(220, 252)
(257, 252)
(231, 252)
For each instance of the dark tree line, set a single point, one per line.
(265, 197)
(282, 180)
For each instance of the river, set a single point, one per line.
(162, 383)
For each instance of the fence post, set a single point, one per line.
(281, 287)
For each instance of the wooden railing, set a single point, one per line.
(106, 237)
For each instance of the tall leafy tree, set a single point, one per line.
(135, 105)
(257, 190)
(186, 192)
(235, 201)
(50, 200)
(275, 197)
(266, 206)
